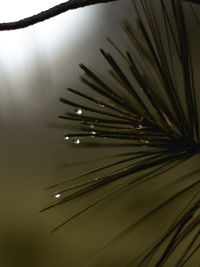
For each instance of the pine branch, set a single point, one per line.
(151, 109)
(50, 13)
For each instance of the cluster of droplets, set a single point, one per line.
(144, 142)
(76, 140)
(140, 126)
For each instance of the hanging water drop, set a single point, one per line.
(78, 111)
(66, 137)
(77, 141)
(144, 141)
(93, 134)
(139, 127)
(57, 195)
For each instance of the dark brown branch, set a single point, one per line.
(193, 1)
(47, 14)
(54, 11)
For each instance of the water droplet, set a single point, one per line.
(139, 127)
(92, 126)
(93, 132)
(77, 141)
(78, 111)
(144, 141)
(57, 195)
(102, 105)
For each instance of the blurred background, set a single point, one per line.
(37, 64)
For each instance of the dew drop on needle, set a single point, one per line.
(78, 111)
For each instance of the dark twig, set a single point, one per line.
(50, 13)
(193, 1)
(54, 11)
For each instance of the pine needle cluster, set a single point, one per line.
(152, 109)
